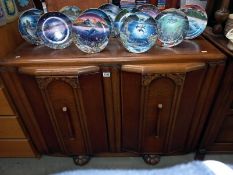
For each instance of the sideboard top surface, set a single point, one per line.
(189, 51)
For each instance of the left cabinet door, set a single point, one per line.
(68, 104)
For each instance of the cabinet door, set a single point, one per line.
(218, 135)
(151, 98)
(73, 101)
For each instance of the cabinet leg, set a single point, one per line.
(81, 160)
(151, 159)
(200, 154)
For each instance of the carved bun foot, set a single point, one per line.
(151, 159)
(81, 160)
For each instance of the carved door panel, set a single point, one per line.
(151, 96)
(73, 99)
(61, 97)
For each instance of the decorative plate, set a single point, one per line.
(172, 26)
(72, 12)
(101, 13)
(55, 29)
(149, 9)
(138, 32)
(28, 25)
(120, 19)
(197, 20)
(112, 11)
(91, 33)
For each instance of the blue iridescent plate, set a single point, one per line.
(172, 26)
(91, 33)
(72, 12)
(28, 25)
(138, 33)
(120, 19)
(55, 29)
(149, 9)
(197, 20)
(112, 11)
(101, 13)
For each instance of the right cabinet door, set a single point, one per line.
(159, 103)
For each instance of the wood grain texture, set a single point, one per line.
(219, 133)
(39, 71)
(197, 50)
(58, 4)
(10, 128)
(5, 108)
(162, 68)
(16, 92)
(16, 148)
(10, 38)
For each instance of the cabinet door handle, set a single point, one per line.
(69, 122)
(64, 109)
(160, 106)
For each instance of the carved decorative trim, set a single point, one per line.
(43, 82)
(178, 78)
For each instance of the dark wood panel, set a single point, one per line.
(130, 104)
(42, 117)
(156, 120)
(225, 134)
(191, 90)
(93, 105)
(61, 98)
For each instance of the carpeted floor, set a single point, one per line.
(48, 165)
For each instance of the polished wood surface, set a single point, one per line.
(10, 128)
(58, 70)
(189, 51)
(10, 38)
(219, 130)
(16, 148)
(58, 4)
(5, 108)
(114, 101)
(162, 68)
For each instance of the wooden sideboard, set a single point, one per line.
(114, 102)
(14, 138)
(218, 134)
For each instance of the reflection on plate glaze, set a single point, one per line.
(149, 9)
(91, 33)
(55, 29)
(138, 32)
(28, 26)
(112, 11)
(100, 13)
(172, 26)
(197, 20)
(72, 12)
(120, 19)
